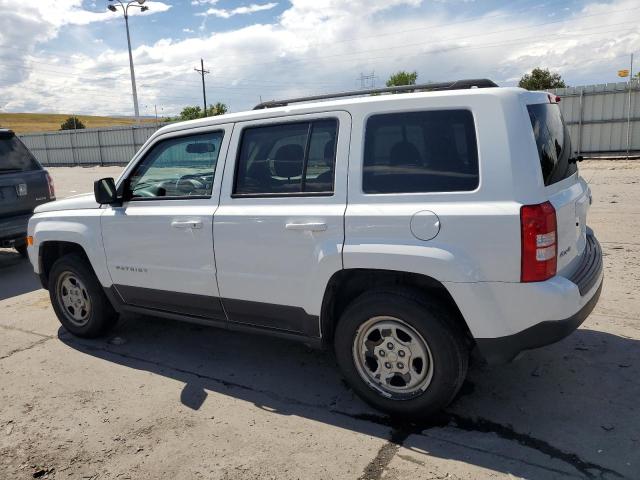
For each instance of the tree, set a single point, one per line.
(72, 123)
(217, 109)
(541, 79)
(190, 113)
(402, 78)
(193, 112)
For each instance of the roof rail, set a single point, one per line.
(456, 85)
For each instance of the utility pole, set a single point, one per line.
(629, 107)
(202, 73)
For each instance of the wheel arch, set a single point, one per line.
(52, 250)
(346, 285)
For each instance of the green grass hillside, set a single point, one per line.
(45, 122)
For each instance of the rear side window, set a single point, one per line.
(291, 158)
(417, 152)
(14, 156)
(553, 142)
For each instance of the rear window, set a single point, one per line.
(14, 156)
(417, 152)
(552, 139)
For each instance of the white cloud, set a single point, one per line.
(227, 13)
(188, 30)
(317, 46)
(23, 25)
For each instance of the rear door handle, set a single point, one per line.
(186, 224)
(310, 227)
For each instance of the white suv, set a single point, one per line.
(404, 228)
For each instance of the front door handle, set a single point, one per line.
(310, 227)
(186, 224)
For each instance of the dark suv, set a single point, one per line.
(24, 185)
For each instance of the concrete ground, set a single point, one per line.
(158, 399)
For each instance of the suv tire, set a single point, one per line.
(78, 298)
(417, 338)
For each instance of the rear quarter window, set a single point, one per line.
(553, 142)
(419, 152)
(14, 156)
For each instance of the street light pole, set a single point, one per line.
(133, 73)
(125, 10)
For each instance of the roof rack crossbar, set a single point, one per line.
(456, 85)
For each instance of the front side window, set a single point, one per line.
(176, 168)
(291, 158)
(419, 152)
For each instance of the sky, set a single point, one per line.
(70, 56)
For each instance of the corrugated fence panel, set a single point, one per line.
(92, 146)
(598, 117)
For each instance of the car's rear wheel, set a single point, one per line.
(401, 353)
(78, 299)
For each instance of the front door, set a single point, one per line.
(159, 243)
(279, 227)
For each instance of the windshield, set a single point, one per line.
(15, 157)
(552, 139)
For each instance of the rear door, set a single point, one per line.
(23, 183)
(565, 189)
(279, 228)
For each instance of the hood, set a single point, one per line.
(76, 202)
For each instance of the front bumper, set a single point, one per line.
(13, 229)
(588, 278)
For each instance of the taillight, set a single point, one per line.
(539, 242)
(52, 190)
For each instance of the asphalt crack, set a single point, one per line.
(376, 467)
(588, 469)
(28, 347)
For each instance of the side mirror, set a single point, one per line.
(105, 191)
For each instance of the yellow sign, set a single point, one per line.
(623, 73)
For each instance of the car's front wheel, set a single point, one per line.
(78, 299)
(401, 353)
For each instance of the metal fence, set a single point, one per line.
(94, 146)
(602, 118)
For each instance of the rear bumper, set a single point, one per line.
(13, 229)
(507, 318)
(504, 349)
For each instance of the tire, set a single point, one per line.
(22, 250)
(78, 298)
(421, 331)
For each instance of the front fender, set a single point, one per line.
(68, 226)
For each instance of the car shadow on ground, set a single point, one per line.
(566, 410)
(16, 275)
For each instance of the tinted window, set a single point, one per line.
(552, 139)
(177, 168)
(415, 152)
(14, 156)
(287, 158)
